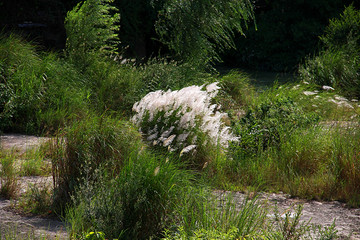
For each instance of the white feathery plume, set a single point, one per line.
(185, 110)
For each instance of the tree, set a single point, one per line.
(195, 31)
(91, 27)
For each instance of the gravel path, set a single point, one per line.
(347, 220)
(322, 213)
(24, 225)
(15, 223)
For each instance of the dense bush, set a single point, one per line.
(343, 29)
(91, 29)
(338, 68)
(269, 123)
(338, 65)
(135, 204)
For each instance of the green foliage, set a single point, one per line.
(8, 177)
(32, 166)
(201, 215)
(287, 31)
(203, 234)
(342, 29)
(338, 65)
(338, 68)
(39, 92)
(271, 122)
(91, 28)
(196, 30)
(20, 84)
(81, 149)
(235, 95)
(135, 204)
(112, 87)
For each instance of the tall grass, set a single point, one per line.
(8, 176)
(316, 163)
(81, 149)
(199, 211)
(334, 67)
(39, 91)
(136, 204)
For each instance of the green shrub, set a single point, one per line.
(91, 29)
(112, 87)
(342, 29)
(80, 150)
(338, 68)
(236, 85)
(269, 123)
(338, 64)
(135, 204)
(21, 82)
(65, 98)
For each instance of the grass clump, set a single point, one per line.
(39, 91)
(34, 163)
(86, 146)
(136, 204)
(202, 214)
(8, 176)
(38, 199)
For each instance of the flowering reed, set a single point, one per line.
(175, 119)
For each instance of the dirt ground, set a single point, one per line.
(347, 220)
(320, 213)
(22, 225)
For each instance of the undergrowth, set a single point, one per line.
(298, 138)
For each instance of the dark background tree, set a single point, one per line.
(286, 30)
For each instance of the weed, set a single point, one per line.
(136, 204)
(80, 150)
(8, 177)
(36, 200)
(33, 163)
(199, 211)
